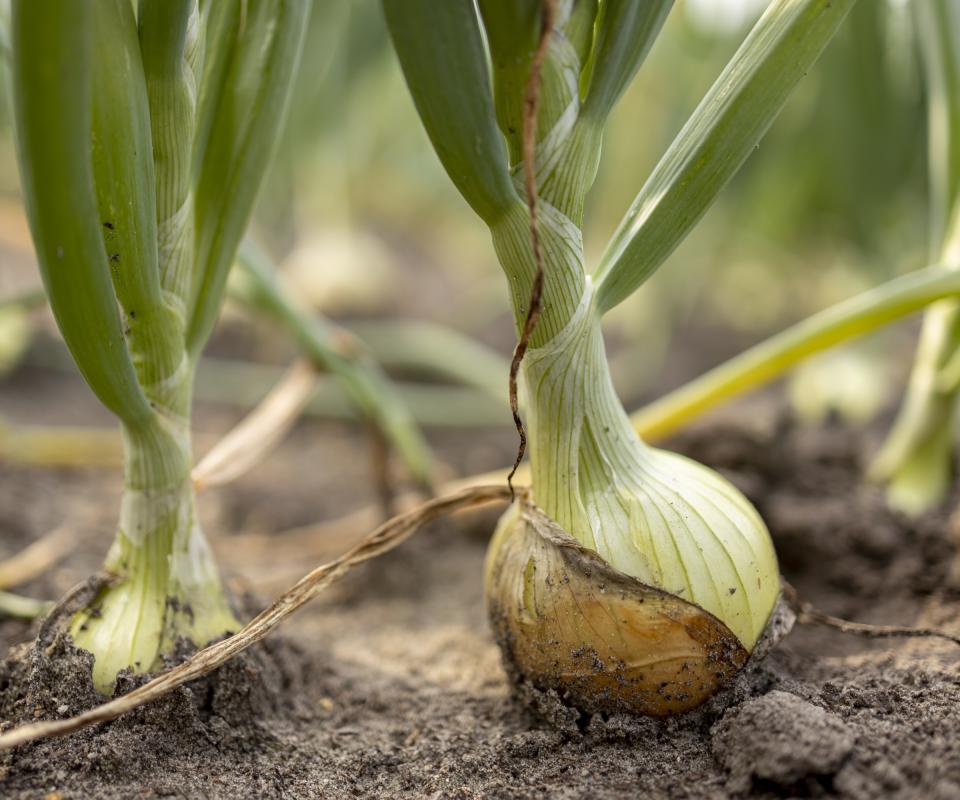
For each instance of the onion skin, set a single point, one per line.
(605, 642)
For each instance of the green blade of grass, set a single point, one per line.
(52, 73)
(716, 140)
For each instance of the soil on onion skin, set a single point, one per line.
(390, 684)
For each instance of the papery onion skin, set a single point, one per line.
(605, 642)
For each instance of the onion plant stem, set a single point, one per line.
(20, 607)
(916, 460)
(762, 363)
(337, 352)
(428, 348)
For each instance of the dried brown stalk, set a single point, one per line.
(246, 444)
(808, 614)
(384, 538)
(37, 557)
(380, 471)
(531, 106)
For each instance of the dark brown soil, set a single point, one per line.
(391, 686)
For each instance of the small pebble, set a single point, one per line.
(63, 709)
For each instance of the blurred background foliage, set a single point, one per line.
(365, 224)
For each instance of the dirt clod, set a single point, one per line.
(782, 740)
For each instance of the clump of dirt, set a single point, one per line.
(395, 687)
(783, 743)
(246, 709)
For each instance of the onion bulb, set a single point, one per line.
(644, 580)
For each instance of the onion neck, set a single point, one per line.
(582, 445)
(165, 583)
(659, 517)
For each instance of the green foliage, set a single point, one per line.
(448, 77)
(171, 46)
(135, 235)
(111, 179)
(858, 316)
(123, 167)
(916, 460)
(625, 33)
(716, 140)
(336, 352)
(244, 97)
(52, 76)
(512, 28)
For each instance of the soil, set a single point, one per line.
(390, 684)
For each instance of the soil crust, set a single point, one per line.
(391, 686)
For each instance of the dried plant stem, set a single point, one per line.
(384, 538)
(807, 614)
(25, 608)
(380, 471)
(323, 539)
(37, 557)
(531, 105)
(246, 444)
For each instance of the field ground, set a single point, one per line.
(390, 685)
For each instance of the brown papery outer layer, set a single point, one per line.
(605, 642)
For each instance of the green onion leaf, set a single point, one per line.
(171, 43)
(122, 148)
(718, 137)
(53, 44)
(244, 98)
(513, 31)
(122, 158)
(625, 33)
(857, 316)
(441, 52)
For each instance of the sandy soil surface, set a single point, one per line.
(391, 686)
